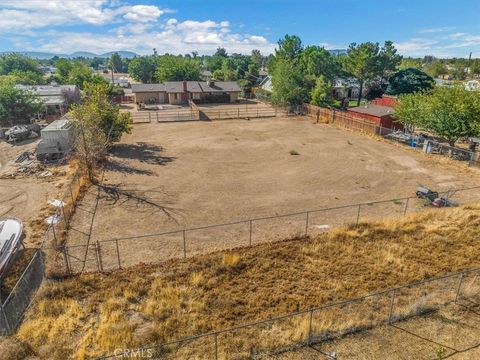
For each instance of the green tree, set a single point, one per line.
(16, 62)
(17, 106)
(176, 68)
(459, 71)
(436, 68)
(287, 83)
(409, 81)
(257, 58)
(363, 63)
(315, 61)
(116, 63)
(448, 112)
(321, 93)
(143, 68)
(475, 67)
(98, 125)
(408, 63)
(290, 48)
(389, 60)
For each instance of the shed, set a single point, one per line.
(379, 114)
(57, 139)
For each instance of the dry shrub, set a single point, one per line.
(231, 260)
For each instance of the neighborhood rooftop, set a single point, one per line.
(188, 86)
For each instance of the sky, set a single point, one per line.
(443, 28)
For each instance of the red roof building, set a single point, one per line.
(380, 111)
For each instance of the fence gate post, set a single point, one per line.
(149, 117)
(358, 214)
(459, 287)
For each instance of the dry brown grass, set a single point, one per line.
(95, 313)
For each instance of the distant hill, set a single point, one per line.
(46, 55)
(337, 52)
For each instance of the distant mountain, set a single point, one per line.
(337, 52)
(46, 55)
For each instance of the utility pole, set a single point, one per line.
(111, 67)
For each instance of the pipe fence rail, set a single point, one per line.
(323, 323)
(20, 297)
(117, 253)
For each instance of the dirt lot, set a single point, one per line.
(166, 177)
(25, 195)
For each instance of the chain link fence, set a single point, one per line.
(123, 252)
(45, 260)
(320, 324)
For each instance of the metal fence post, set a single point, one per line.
(99, 257)
(358, 214)
(71, 192)
(406, 207)
(118, 255)
(459, 287)
(157, 116)
(309, 341)
(53, 230)
(216, 346)
(250, 242)
(149, 117)
(391, 305)
(306, 224)
(184, 244)
(67, 260)
(64, 217)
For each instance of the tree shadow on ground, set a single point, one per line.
(141, 151)
(151, 200)
(122, 167)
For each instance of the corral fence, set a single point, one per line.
(41, 264)
(321, 324)
(117, 253)
(222, 112)
(346, 120)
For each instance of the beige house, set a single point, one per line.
(180, 92)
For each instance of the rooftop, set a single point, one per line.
(61, 124)
(47, 90)
(192, 86)
(374, 110)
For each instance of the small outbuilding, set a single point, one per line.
(380, 111)
(57, 140)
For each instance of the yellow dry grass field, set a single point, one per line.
(94, 314)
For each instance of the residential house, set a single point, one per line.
(57, 98)
(346, 88)
(180, 92)
(266, 84)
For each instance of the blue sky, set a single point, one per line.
(418, 27)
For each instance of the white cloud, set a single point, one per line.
(436, 30)
(44, 26)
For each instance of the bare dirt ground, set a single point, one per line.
(25, 195)
(453, 331)
(165, 177)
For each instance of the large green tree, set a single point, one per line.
(17, 106)
(450, 112)
(143, 68)
(16, 62)
(321, 93)
(409, 81)
(368, 62)
(177, 68)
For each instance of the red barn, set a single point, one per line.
(380, 111)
